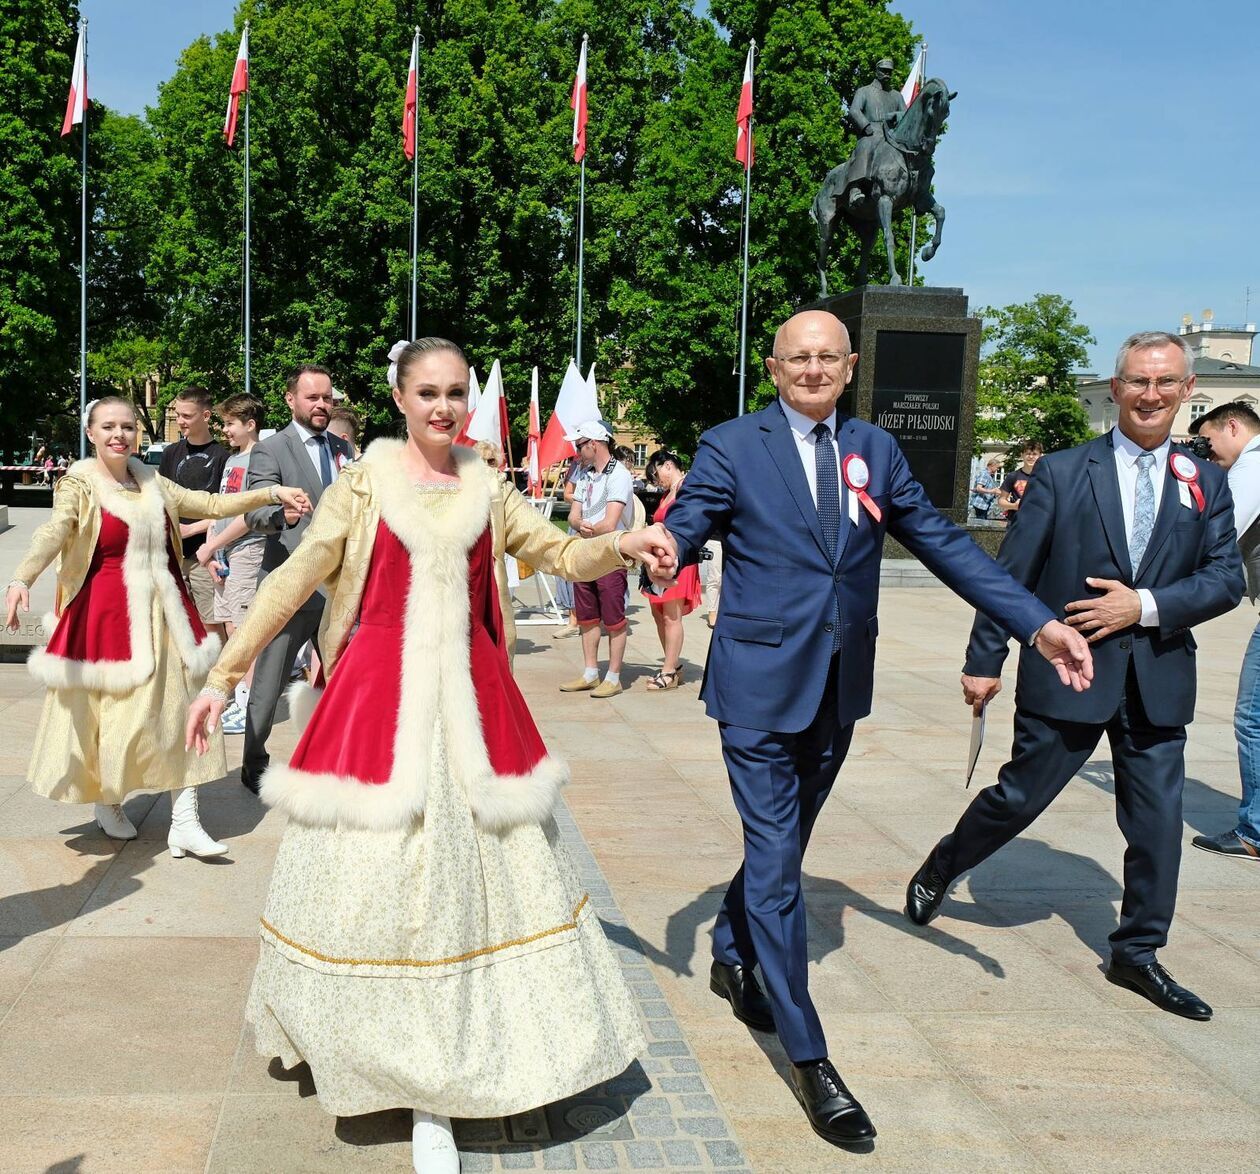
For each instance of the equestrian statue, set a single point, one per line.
(890, 168)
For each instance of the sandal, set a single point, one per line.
(664, 680)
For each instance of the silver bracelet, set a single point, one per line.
(214, 692)
(275, 495)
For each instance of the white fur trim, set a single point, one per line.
(302, 700)
(146, 569)
(436, 675)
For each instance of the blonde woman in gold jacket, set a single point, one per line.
(126, 648)
(425, 942)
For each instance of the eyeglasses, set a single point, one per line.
(1164, 383)
(829, 360)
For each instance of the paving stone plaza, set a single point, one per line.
(987, 1041)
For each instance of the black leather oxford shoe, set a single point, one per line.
(1153, 982)
(925, 892)
(739, 987)
(832, 1109)
(249, 780)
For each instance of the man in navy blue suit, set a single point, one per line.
(1148, 531)
(801, 498)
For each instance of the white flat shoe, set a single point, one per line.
(433, 1148)
(113, 821)
(187, 834)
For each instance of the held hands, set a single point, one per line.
(1117, 608)
(979, 691)
(586, 530)
(205, 554)
(1067, 650)
(15, 596)
(654, 547)
(203, 720)
(296, 504)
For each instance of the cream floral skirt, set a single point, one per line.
(94, 747)
(439, 967)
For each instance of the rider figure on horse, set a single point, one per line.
(874, 111)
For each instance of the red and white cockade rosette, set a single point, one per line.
(857, 476)
(1187, 474)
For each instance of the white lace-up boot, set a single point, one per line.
(113, 821)
(433, 1144)
(187, 834)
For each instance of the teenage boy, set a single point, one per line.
(195, 461)
(232, 551)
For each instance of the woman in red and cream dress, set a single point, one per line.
(425, 942)
(683, 596)
(127, 651)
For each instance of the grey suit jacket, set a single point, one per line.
(283, 460)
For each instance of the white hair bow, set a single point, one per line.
(395, 353)
(87, 412)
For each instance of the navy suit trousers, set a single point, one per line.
(1149, 765)
(780, 783)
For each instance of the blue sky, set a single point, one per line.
(1101, 150)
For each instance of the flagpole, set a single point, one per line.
(83, 258)
(415, 187)
(247, 282)
(743, 305)
(577, 349)
(914, 213)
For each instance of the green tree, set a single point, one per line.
(1027, 386)
(677, 304)
(39, 176)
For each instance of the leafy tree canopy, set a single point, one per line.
(1027, 386)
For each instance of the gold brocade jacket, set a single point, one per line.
(336, 551)
(75, 525)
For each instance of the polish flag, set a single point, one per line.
(474, 397)
(487, 422)
(914, 83)
(532, 466)
(76, 103)
(576, 404)
(578, 105)
(409, 108)
(240, 84)
(743, 116)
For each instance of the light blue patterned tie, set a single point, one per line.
(1143, 511)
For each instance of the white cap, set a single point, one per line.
(591, 430)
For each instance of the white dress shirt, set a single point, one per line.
(311, 444)
(803, 433)
(1244, 486)
(1127, 453)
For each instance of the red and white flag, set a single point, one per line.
(914, 83)
(76, 103)
(409, 108)
(578, 105)
(474, 398)
(240, 84)
(743, 116)
(532, 467)
(486, 422)
(575, 405)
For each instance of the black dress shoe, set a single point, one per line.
(1227, 844)
(832, 1109)
(739, 987)
(1153, 982)
(250, 780)
(925, 892)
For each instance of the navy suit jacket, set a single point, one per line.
(771, 649)
(1070, 526)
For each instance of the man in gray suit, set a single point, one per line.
(307, 455)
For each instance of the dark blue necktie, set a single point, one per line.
(827, 495)
(325, 462)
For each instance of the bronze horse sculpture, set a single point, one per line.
(901, 177)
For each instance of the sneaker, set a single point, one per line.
(579, 685)
(233, 721)
(565, 632)
(1227, 844)
(608, 689)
